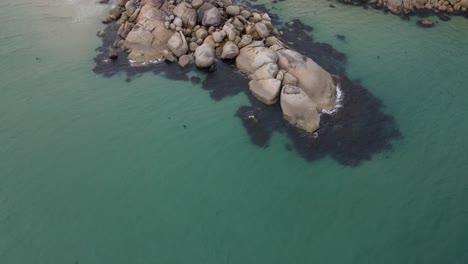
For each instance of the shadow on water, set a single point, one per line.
(355, 133)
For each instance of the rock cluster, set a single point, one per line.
(203, 31)
(406, 6)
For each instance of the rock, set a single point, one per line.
(107, 20)
(113, 54)
(256, 17)
(266, 17)
(130, 7)
(180, 9)
(267, 71)
(252, 57)
(280, 75)
(266, 91)
(169, 56)
(209, 40)
(148, 38)
(233, 10)
(464, 4)
(212, 17)
(201, 33)
(193, 46)
(289, 79)
(245, 13)
(197, 3)
(262, 30)
(115, 11)
(201, 11)
(224, 3)
(187, 15)
(426, 23)
(245, 40)
(189, 18)
(311, 78)
(299, 109)
(270, 41)
(204, 56)
(230, 30)
(237, 40)
(134, 16)
(185, 60)
(217, 37)
(177, 22)
(238, 24)
(230, 51)
(178, 44)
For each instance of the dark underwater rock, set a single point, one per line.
(425, 23)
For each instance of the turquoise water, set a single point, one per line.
(92, 170)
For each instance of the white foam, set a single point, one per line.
(338, 101)
(134, 63)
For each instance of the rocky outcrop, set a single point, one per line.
(407, 6)
(299, 109)
(311, 78)
(201, 31)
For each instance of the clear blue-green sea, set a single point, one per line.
(93, 170)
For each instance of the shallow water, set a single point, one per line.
(101, 170)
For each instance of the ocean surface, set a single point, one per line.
(102, 170)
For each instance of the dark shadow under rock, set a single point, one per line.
(224, 80)
(356, 132)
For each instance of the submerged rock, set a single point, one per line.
(426, 23)
(112, 54)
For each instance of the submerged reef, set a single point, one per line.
(296, 85)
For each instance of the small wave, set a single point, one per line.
(338, 101)
(134, 63)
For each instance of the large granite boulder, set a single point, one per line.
(187, 14)
(254, 56)
(267, 71)
(230, 50)
(204, 56)
(266, 90)
(201, 11)
(212, 17)
(148, 38)
(299, 109)
(316, 83)
(178, 44)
